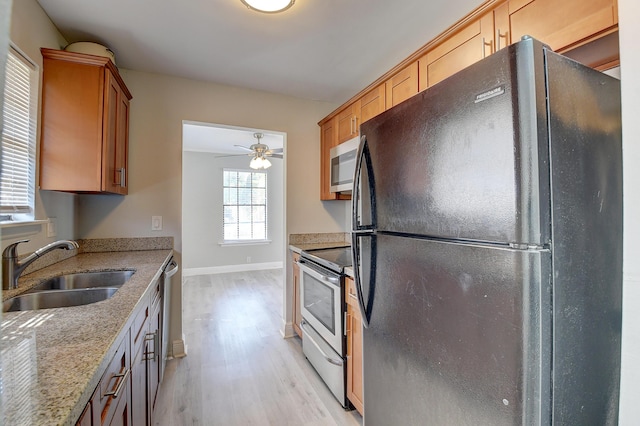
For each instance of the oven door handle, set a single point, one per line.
(333, 361)
(332, 280)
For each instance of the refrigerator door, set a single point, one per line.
(468, 158)
(455, 335)
(586, 175)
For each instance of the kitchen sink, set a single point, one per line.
(69, 290)
(84, 280)
(57, 299)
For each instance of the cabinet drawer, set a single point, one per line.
(114, 384)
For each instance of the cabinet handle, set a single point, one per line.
(500, 35)
(153, 355)
(484, 44)
(114, 393)
(355, 125)
(123, 177)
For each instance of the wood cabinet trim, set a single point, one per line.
(85, 59)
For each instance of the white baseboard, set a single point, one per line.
(179, 348)
(188, 272)
(287, 330)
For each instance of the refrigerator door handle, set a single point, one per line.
(357, 279)
(362, 160)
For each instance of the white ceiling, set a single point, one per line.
(324, 50)
(204, 137)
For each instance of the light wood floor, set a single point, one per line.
(238, 369)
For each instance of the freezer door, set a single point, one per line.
(467, 158)
(458, 335)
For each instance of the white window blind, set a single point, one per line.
(17, 168)
(244, 205)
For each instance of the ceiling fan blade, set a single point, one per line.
(244, 147)
(277, 150)
(276, 155)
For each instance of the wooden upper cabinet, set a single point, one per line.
(402, 85)
(328, 139)
(502, 27)
(348, 122)
(561, 24)
(469, 45)
(372, 103)
(85, 124)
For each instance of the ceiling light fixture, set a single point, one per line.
(259, 162)
(268, 6)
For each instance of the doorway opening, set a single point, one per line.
(215, 158)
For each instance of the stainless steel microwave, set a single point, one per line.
(343, 165)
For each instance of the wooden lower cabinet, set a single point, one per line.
(354, 348)
(127, 391)
(295, 303)
(139, 411)
(153, 357)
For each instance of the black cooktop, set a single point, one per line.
(335, 258)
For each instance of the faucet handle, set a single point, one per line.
(10, 252)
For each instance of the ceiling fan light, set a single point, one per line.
(266, 163)
(256, 163)
(268, 6)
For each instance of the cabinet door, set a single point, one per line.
(354, 350)
(296, 314)
(116, 137)
(402, 86)
(502, 28)
(372, 103)
(327, 141)
(72, 110)
(471, 44)
(139, 409)
(153, 358)
(348, 123)
(561, 23)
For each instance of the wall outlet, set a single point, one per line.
(248, 259)
(156, 223)
(52, 227)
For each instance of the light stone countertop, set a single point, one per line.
(52, 359)
(311, 246)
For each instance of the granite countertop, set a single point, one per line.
(52, 359)
(298, 247)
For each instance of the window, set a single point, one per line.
(244, 205)
(17, 168)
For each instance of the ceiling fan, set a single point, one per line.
(260, 152)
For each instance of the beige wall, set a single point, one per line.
(629, 13)
(160, 104)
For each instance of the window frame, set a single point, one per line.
(245, 241)
(17, 213)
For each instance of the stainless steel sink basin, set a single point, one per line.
(84, 280)
(69, 290)
(57, 299)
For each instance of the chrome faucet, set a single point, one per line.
(12, 267)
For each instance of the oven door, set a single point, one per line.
(321, 302)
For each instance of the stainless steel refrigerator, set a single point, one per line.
(487, 245)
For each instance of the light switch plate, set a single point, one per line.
(52, 227)
(156, 223)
